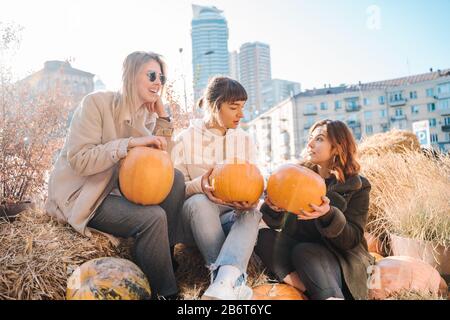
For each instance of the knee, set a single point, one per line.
(154, 216)
(199, 205)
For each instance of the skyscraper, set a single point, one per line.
(255, 69)
(234, 65)
(209, 46)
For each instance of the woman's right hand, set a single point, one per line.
(148, 141)
(209, 189)
(272, 206)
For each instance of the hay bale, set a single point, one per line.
(37, 254)
(397, 141)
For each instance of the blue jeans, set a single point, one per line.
(223, 236)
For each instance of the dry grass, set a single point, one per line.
(396, 141)
(410, 195)
(37, 255)
(414, 295)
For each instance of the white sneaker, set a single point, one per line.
(222, 290)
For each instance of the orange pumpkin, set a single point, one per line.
(108, 279)
(146, 175)
(373, 243)
(293, 187)
(397, 274)
(377, 256)
(237, 181)
(277, 291)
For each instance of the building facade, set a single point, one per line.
(209, 46)
(282, 132)
(276, 90)
(255, 70)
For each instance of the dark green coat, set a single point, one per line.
(341, 230)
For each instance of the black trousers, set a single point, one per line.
(154, 228)
(317, 267)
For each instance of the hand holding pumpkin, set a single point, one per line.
(319, 211)
(272, 206)
(208, 189)
(148, 141)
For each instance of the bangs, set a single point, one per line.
(233, 92)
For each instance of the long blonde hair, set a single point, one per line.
(131, 67)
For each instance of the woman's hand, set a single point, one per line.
(272, 206)
(319, 211)
(157, 107)
(148, 141)
(209, 189)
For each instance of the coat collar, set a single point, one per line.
(351, 183)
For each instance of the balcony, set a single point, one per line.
(311, 112)
(353, 123)
(399, 102)
(442, 95)
(446, 128)
(398, 118)
(352, 108)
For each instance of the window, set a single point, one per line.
(444, 104)
(399, 112)
(415, 109)
(447, 121)
(413, 94)
(431, 107)
(368, 115)
(432, 123)
(337, 105)
(323, 106)
(310, 108)
(369, 129)
(366, 101)
(381, 99)
(396, 96)
(430, 92)
(434, 137)
(383, 113)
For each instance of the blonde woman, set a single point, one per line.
(225, 233)
(83, 189)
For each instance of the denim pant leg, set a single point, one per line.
(202, 226)
(148, 225)
(240, 241)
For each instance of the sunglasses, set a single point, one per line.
(152, 77)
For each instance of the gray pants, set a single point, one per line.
(316, 265)
(155, 229)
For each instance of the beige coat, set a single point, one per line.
(87, 167)
(198, 149)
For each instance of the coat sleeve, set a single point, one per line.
(273, 219)
(86, 153)
(346, 230)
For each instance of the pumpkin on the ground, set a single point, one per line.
(237, 181)
(278, 291)
(377, 256)
(398, 274)
(146, 175)
(108, 279)
(373, 243)
(293, 187)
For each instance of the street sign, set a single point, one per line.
(422, 131)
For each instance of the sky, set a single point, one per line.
(312, 42)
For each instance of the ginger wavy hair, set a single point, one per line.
(344, 162)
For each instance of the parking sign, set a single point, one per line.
(422, 131)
